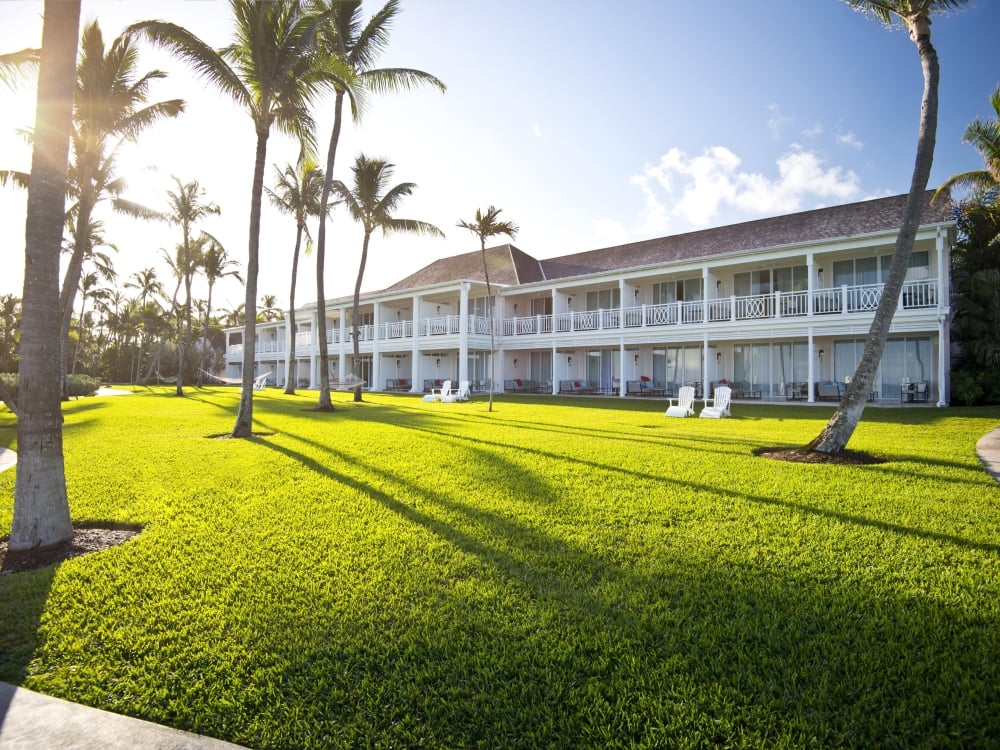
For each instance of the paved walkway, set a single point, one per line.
(7, 458)
(988, 449)
(29, 721)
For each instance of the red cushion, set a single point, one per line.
(518, 381)
(576, 383)
(644, 379)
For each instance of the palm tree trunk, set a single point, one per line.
(292, 374)
(41, 507)
(354, 314)
(74, 270)
(244, 417)
(489, 321)
(325, 404)
(840, 428)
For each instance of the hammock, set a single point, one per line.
(258, 382)
(348, 384)
(162, 379)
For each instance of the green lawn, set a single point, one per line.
(559, 573)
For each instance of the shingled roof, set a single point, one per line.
(507, 265)
(510, 266)
(852, 219)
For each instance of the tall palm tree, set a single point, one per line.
(41, 506)
(110, 109)
(489, 225)
(148, 287)
(215, 264)
(915, 17)
(297, 192)
(984, 135)
(345, 38)
(269, 308)
(187, 207)
(371, 203)
(272, 71)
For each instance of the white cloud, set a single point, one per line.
(776, 121)
(813, 132)
(537, 131)
(699, 189)
(849, 139)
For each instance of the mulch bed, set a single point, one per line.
(84, 540)
(804, 456)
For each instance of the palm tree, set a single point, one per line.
(915, 16)
(297, 192)
(271, 70)
(216, 264)
(483, 226)
(345, 38)
(371, 203)
(108, 111)
(984, 135)
(41, 506)
(269, 309)
(187, 207)
(148, 286)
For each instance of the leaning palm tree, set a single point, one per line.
(297, 192)
(41, 506)
(984, 135)
(110, 109)
(371, 203)
(272, 71)
(358, 46)
(915, 16)
(187, 207)
(483, 226)
(147, 286)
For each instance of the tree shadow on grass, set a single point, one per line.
(557, 645)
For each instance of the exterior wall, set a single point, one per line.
(701, 318)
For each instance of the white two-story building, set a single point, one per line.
(779, 308)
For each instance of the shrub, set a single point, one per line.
(77, 385)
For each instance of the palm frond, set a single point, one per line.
(14, 178)
(18, 67)
(137, 210)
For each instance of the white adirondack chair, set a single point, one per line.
(439, 394)
(720, 403)
(462, 394)
(685, 403)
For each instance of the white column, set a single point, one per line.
(376, 384)
(416, 372)
(463, 333)
(314, 355)
(342, 345)
(811, 396)
(289, 318)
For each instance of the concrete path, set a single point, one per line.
(988, 449)
(7, 458)
(29, 721)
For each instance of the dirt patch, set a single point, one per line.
(804, 456)
(84, 541)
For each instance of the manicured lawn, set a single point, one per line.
(560, 573)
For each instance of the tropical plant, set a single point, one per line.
(271, 70)
(371, 202)
(41, 506)
(269, 309)
(148, 287)
(344, 37)
(915, 17)
(297, 192)
(109, 109)
(10, 323)
(187, 207)
(488, 225)
(984, 135)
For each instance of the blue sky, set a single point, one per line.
(589, 123)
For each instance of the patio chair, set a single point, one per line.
(720, 403)
(462, 394)
(437, 394)
(685, 403)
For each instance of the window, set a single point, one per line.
(752, 283)
(540, 366)
(604, 299)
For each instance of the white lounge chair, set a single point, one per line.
(720, 403)
(260, 382)
(439, 394)
(685, 403)
(462, 394)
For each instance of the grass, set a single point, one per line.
(559, 573)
